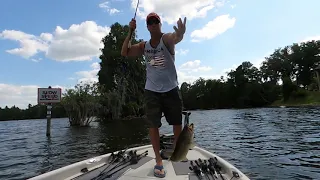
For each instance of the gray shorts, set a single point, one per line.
(169, 103)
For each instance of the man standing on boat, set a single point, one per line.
(161, 88)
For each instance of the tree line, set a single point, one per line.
(288, 73)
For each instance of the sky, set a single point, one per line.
(56, 43)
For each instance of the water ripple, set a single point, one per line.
(265, 143)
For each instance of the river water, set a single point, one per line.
(265, 143)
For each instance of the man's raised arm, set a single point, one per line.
(177, 36)
(136, 49)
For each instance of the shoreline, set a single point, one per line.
(288, 105)
(273, 105)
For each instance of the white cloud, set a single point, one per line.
(105, 6)
(46, 36)
(113, 11)
(220, 3)
(90, 75)
(227, 70)
(310, 38)
(184, 77)
(36, 59)
(182, 51)
(78, 43)
(170, 11)
(192, 70)
(258, 62)
(194, 66)
(29, 44)
(20, 95)
(191, 78)
(213, 28)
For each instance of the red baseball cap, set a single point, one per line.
(153, 15)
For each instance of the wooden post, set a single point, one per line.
(48, 96)
(49, 107)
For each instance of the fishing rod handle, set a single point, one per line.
(130, 38)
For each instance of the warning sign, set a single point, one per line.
(49, 95)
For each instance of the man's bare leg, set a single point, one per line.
(176, 132)
(155, 141)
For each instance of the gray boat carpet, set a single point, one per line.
(94, 173)
(181, 168)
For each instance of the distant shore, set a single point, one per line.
(294, 105)
(311, 99)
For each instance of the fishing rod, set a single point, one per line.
(130, 32)
(204, 168)
(117, 165)
(132, 158)
(196, 170)
(211, 170)
(113, 158)
(120, 162)
(213, 163)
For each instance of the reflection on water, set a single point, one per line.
(123, 134)
(266, 143)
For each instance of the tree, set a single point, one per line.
(81, 103)
(119, 93)
(122, 79)
(305, 57)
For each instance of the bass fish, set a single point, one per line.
(184, 143)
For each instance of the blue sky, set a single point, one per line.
(56, 43)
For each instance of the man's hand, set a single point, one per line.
(181, 27)
(132, 25)
(177, 36)
(127, 49)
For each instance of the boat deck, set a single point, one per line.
(91, 168)
(174, 170)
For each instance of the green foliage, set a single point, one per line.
(81, 103)
(248, 86)
(119, 93)
(31, 112)
(300, 93)
(122, 79)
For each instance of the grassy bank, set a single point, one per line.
(311, 98)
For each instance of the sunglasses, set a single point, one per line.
(153, 21)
